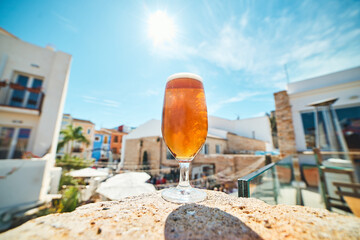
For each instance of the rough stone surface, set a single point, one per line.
(284, 124)
(219, 217)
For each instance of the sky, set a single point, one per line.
(123, 51)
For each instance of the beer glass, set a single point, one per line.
(184, 129)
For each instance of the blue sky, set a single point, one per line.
(118, 73)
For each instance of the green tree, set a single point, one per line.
(70, 135)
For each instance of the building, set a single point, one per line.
(125, 128)
(101, 147)
(33, 86)
(78, 149)
(116, 143)
(32, 95)
(145, 148)
(295, 118)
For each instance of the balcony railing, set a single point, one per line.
(267, 182)
(17, 96)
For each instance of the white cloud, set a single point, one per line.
(65, 22)
(151, 92)
(308, 45)
(241, 96)
(244, 19)
(231, 50)
(102, 102)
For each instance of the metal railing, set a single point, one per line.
(266, 182)
(18, 96)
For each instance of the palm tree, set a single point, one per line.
(71, 134)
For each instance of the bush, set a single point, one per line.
(69, 200)
(68, 163)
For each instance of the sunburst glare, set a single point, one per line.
(161, 28)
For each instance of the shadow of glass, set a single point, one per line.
(193, 221)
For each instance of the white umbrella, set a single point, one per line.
(126, 185)
(88, 172)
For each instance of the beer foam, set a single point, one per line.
(185, 75)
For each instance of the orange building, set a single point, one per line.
(116, 143)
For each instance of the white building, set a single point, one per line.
(33, 85)
(344, 85)
(255, 128)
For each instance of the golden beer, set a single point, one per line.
(184, 119)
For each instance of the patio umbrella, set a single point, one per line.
(126, 185)
(88, 172)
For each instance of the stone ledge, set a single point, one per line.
(219, 217)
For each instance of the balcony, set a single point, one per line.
(77, 150)
(17, 98)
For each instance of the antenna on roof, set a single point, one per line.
(287, 74)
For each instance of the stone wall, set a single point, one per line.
(156, 149)
(135, 148)
(231, 165)
(216, 141)
(238, 143)
(284, 122)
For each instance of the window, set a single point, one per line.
(97, 139)
(205, 149)
(218, 150)
(349, 119)
(169, 155)
(13, 142)
(34, 98)
(116, 139)
(23, 98)
(105, 139)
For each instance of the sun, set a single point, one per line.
(161, 28)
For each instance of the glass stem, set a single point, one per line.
(184, 175)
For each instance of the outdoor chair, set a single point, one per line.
(351, 197)
(335, 179)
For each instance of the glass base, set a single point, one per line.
(183, 195)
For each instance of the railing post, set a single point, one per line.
(243, 188)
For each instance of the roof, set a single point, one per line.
(114, 131)
(151, 128)
(327, 80)
(102, 132)
(3, 31)
(217, 133)
(84, 121)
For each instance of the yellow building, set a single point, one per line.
(78, 149)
